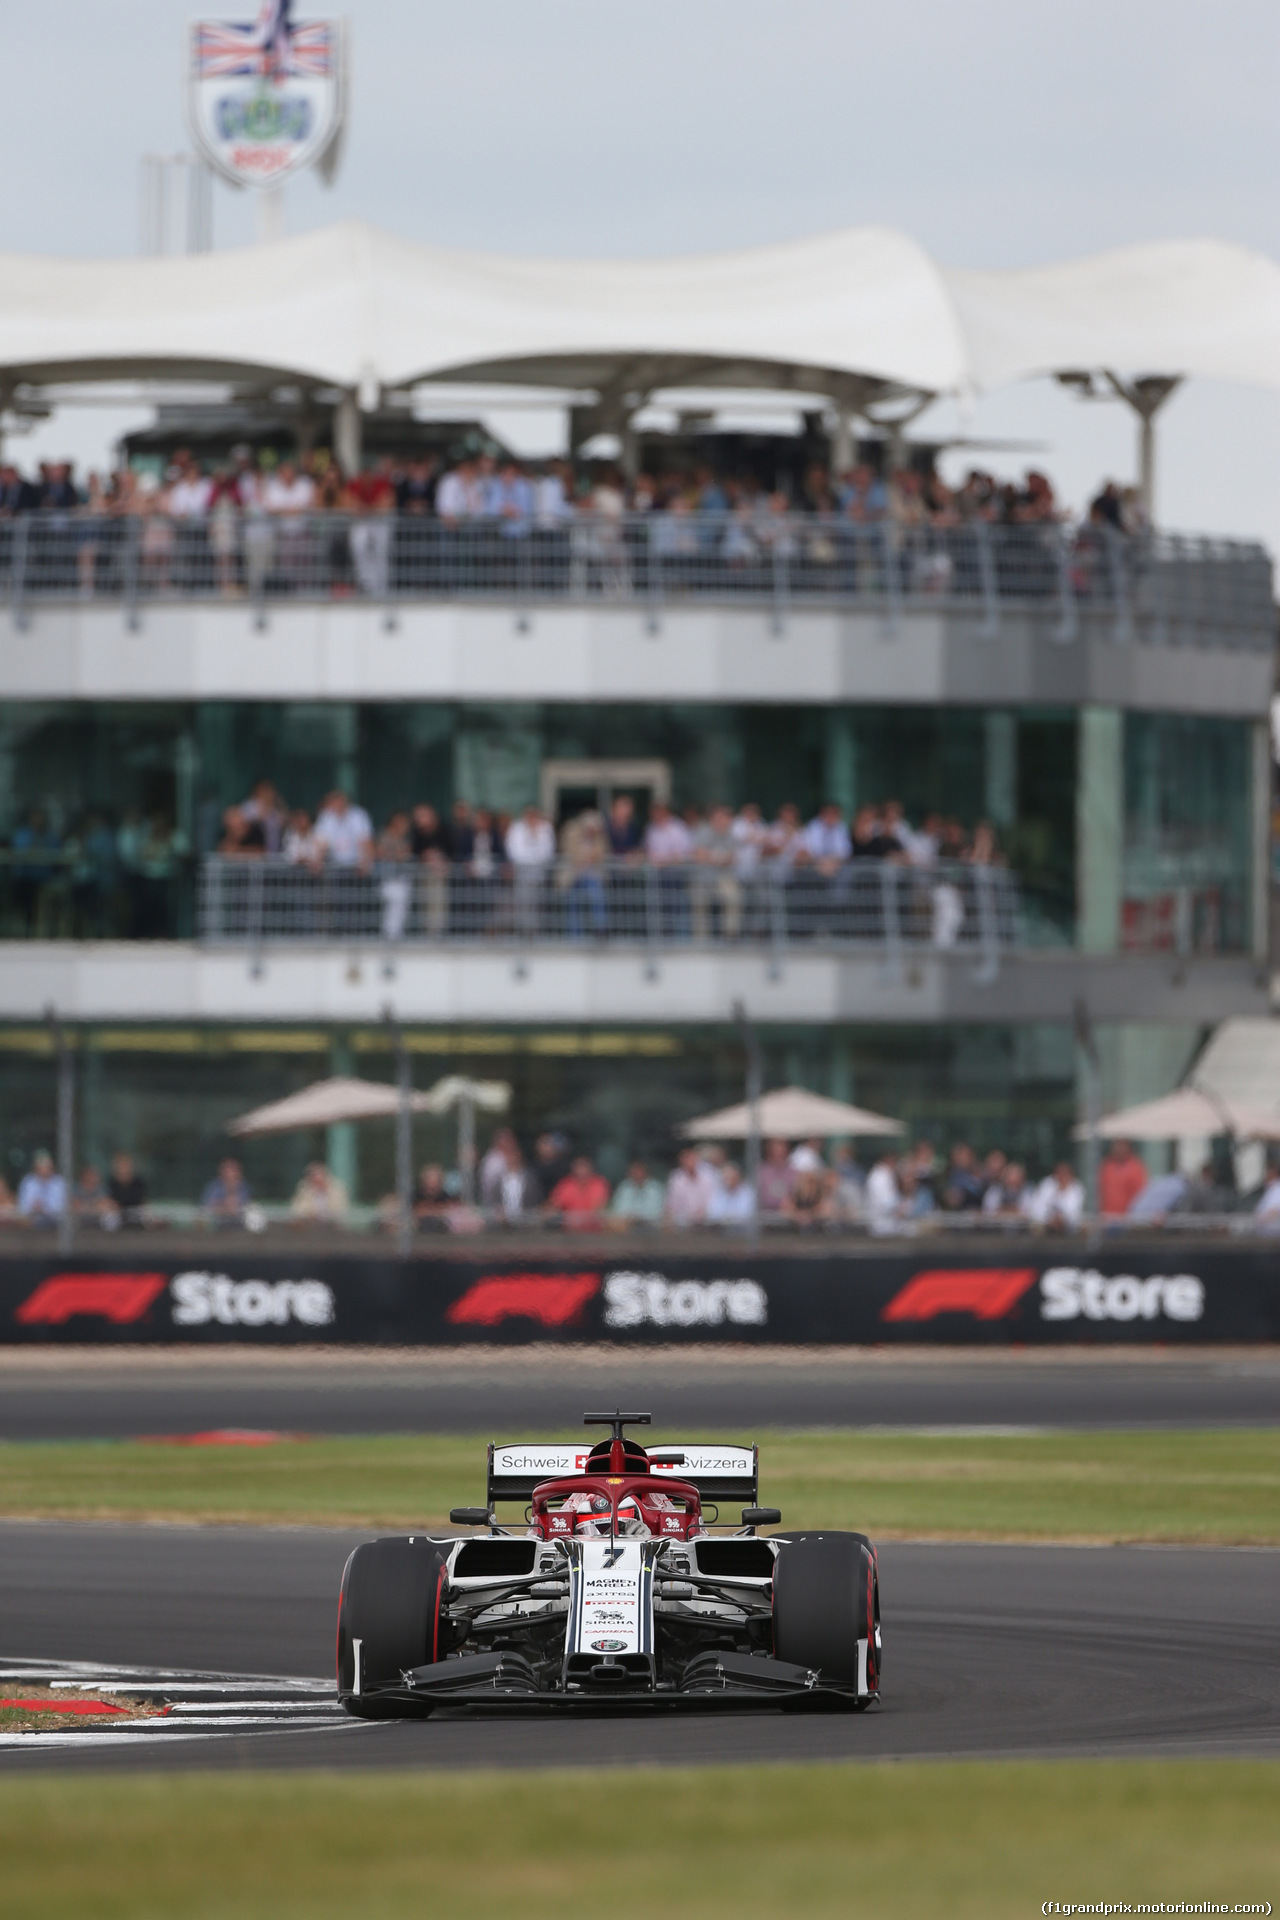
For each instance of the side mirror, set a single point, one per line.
(469, 1516)
(761, 1516)
(666, 1457)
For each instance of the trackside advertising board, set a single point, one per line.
(1130, 1295)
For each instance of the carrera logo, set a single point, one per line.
(552, 1299)
(988, 1293)
(1067, 1293)
(121, 1298)
(634, 1299)
(201, 1297)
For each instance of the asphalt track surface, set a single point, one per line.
(50, 1393)
(988, 1650)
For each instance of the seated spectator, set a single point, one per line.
(775, 1178)
(883, 1196)
(492, 1167)
(962, 1187)
(807, 1203)
(691, 1188)
(1164, 1195)
(915, 1200)
(344, 833)
(623, 828)
(319, 1199)
(42, 1196)
(395, 884)
(1058, 1202)
(733, 1204)
(242, 838)
(1007, 1198)
(266, 809)
(638, 1200)
(90, 1204)
(1267, 1211)
(849, 1184)
(580, 1198)
(583, 848)
(667, 840)
(127, 1191)
(1121, 1178)
(431, 1202)
(806, 1157)
(226, 1199)
(552, 1160)
(518, 1188)
(299, 843)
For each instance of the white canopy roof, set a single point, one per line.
(1186, 1114)
(349, 306)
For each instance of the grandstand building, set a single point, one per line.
(1101, 700)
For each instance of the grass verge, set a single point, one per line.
(960, 1839)
(1202, 1486)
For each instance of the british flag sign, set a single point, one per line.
(266, 96)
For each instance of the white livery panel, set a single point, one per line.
(718, 1472)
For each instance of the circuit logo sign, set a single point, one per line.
(988, 1293)
(121, 1298)
(550, 1299)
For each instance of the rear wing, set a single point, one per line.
(719, 1473)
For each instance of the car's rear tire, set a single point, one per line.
(826, 1604)
(389, 1602)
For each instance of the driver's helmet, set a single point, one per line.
(590, 1511)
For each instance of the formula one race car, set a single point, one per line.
(615, 1590)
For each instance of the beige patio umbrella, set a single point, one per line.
(456, 1090)
(1188, 1113)
(324, 1104)
(789, 1113)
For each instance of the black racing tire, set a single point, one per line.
(390, 1602)
(826, 1599)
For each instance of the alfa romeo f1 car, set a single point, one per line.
(615, 1589)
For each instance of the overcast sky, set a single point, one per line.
(995, 132)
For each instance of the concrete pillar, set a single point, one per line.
(346, 741)
(1260, 843)
(1000, 768)
(340, 1140)
(840, 761)
(1099, 828)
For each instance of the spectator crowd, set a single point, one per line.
(257, 523)
(798, 1185)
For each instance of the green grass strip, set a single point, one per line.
(1213, 1486)
(958, 1839)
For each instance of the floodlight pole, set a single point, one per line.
(755, 1080)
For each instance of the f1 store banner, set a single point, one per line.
(1158, 1293)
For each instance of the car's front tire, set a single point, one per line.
(388, 1620)
(826, 1610)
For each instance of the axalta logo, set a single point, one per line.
(121, 1298)
(1072, 1293)
(988, 1293)
(552, 1299)
(634, 1299)
(199, 1298)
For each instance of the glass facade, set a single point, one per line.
(1187, 811)
(105, 806)
(125, 796)
(166, 1094)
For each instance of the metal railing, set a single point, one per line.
(867, 903)
(1158, 587)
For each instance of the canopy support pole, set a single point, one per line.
(1146, 396)
(346, 433)
(467, 1148)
